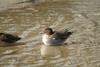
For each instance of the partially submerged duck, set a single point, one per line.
(8, 38)
(50, 37)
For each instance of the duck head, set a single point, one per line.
(48, 31)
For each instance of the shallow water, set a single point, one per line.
(82, 48)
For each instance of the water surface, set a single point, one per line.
(82, 48)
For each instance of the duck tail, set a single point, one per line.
(67, 33)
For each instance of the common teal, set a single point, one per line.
(50, 37)
(8, 38)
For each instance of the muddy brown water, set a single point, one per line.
(82, 48)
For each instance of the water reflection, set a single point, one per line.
(52, 51)
(54, 55)
(3, 44)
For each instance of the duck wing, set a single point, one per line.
(61, 35)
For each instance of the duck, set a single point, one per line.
(50, 37)
(9, 38)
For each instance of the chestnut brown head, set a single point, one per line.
(48, 31)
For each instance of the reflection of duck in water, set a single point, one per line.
(51, 37)
(8, 38)
(51, 51)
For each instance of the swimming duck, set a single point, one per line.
(8, 38)
(50, 37)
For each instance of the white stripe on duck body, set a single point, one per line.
(51, 37)
(9, 38)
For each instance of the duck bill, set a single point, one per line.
(41, 32)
